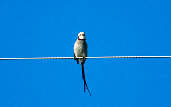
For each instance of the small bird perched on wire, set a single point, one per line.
(80, 50)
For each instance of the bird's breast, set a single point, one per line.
(80, 48)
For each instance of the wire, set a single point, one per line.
(87, 57)
(131, 57)
(38, 58)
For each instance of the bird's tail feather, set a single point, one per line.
(84, 79)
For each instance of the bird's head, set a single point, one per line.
(81, 36)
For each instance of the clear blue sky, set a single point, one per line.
(37, 28)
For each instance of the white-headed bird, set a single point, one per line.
(80, 50)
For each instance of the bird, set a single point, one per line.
(80, 50)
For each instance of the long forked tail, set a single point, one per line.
(84, 79)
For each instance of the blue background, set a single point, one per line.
(37, 28)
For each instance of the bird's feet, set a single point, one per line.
(76, 59)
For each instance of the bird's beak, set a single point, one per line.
(81, 37)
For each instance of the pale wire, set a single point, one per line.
(87, 57)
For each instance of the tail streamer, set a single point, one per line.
(84, 79)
